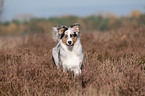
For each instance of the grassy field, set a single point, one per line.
(114, 65)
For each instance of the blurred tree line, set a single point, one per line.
(89, 23)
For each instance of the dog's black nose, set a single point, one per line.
(69, 42)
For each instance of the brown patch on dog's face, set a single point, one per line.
(64, 39)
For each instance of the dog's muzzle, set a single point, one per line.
(70, 43)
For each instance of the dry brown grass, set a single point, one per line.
(114, 65)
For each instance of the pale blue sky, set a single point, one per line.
(49, 8)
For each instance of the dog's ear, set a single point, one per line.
(58, 32)
(61, 30)
(76, 27)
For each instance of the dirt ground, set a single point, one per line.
(114, 65)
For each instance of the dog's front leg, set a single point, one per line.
(55, 56)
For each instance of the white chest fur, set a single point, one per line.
(71, 58)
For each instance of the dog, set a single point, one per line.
(69, 49)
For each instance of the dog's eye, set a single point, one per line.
(72, 36)
(65, 36)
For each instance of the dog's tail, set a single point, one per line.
(55, 34)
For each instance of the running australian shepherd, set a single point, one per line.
(68, 53)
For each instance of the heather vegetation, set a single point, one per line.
(114, 52)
